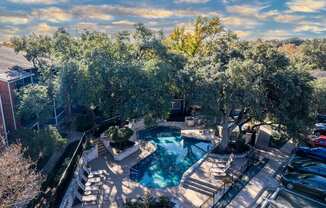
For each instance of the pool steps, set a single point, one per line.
(200, 186)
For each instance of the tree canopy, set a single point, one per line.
(257, 81)
(139, 73)
(320, 87)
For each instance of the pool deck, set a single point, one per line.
(252, 194)
(122, 188)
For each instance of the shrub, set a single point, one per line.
(278, 138)
(119, 135)
(39, 145)
(150, 202)
(149, 121)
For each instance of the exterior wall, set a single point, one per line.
(7, 105)
(3, 132)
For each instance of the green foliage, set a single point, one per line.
(194, 42)
(41, 144)
(38, 50)
(140, 73)
(313, 53)
(84, 122)
(320, 90)
(278, 138)
(150, 202)
(119, 135)
(33, 104)
(255, 79)
(128, 75)
(149, 121)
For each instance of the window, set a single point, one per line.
(23, 82)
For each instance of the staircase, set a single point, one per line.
(200, 186)
(101, 149)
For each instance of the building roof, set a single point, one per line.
(13, 65)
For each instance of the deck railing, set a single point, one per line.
(212, 201)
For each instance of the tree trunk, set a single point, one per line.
(225, 135)
(68, 110)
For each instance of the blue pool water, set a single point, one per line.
(173, 156)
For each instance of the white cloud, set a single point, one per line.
(8, 32)
(242, 34)
(251, 11)
(96, 10)
(52, 14)
(276, 34)
(144, 12)
(306, 5)
(240, 22)
(43, 28)
(37, 1)
(14, 19)
(91, 26)
(311, 26)
(287, 18)
(124, 23)
(245, 9)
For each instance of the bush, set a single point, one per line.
(85, 121)
(150, 202)
(149, 121)
(278, 139)
(119, 135)
(39, 145)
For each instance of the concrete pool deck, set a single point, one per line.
(120, 187)
(250, 195)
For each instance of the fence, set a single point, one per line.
(217, 195)
(52, 196)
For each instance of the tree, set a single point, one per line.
(119, 135)
(39, 145)
(320, 89)
(190, 43)
(37, 50)
(313, 53)
(71, 88)
(258, 82)
(33, 104)
(19, 182)
(291, 51)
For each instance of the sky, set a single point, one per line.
(250, 19)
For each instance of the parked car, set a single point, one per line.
(306, 183)
(318, 153)
(318, 141)
(320, 129)
(307, 165)
(321, 118)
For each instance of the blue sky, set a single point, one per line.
(267, 19)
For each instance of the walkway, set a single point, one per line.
(71, 137)
(248, 197)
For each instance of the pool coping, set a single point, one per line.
(193, 167)
(188, 171)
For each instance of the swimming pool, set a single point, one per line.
(173, 156)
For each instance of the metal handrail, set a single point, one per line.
(210, 202)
